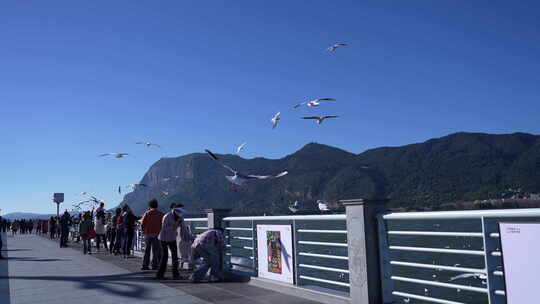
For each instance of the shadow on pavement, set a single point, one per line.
(120, 284)
(31, 259)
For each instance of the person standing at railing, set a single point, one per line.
(100, 228)
(65, 221)
(151, 226)
(84, 230)
(129, 220)
(184, 245)
(208, 246)
(118, 223)
(170, 223)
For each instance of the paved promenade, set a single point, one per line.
(38, 271)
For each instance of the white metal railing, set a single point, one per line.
(317, 253)
(490, 274)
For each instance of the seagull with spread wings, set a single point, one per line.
(275, 120)
(147, 143)
(335, 46)
(115, 154)
(314, 102)
(319, 119)
(134, 186)
(240, 148)
(238, 178)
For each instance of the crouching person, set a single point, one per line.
(208, 246)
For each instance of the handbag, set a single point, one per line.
(91, 233)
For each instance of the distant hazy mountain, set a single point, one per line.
(26, 215)
(461, 166)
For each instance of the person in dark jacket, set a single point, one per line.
(65, 222)
(118, 226)
(129, 221)
(84, 230)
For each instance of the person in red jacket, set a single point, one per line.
(151, 226)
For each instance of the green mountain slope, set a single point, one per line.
(461, 166)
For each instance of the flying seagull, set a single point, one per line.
(275, 120)
(240, 148)
(314, 102)
(84, 193)
(115, 155)
(480, 276)
(239, 178)
(323, 206)
(335, 46)
(319, 119)
(166, 179)
(294, 207)
(148, 144)
(137, 185)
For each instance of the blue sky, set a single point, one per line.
(79, 79)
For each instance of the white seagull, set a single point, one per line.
(148, 144)
(294, 207)
(319, 119)
(134, 186)
(239, 178)
(314, 102)
(323, 206)
(165, 193)
(335, 46)
(240, 148)
(275, 120)
(115, 154)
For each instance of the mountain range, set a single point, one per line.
(457, 167)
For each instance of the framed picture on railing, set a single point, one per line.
(274, 251)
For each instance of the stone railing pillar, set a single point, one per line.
(363, 248)
(215, 217)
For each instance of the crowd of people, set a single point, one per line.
(163, 233)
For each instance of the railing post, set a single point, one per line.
(215, 217)
(363, 249)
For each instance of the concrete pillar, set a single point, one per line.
(363, 242)
(215, 217)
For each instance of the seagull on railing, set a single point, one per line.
(323, 206)
(115, 154)
(335, 46)
(275, 120)
(313, 103)
(320, 119)
(147, 143)
(240, 148)
(239, 178)
(294, 207)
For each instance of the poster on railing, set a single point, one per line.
(275, 252)
(520, 247)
